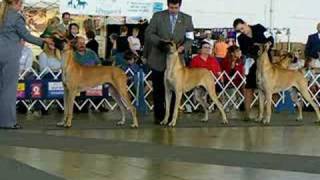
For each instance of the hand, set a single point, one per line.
(48, 40)
(180, 49)
(164, 40)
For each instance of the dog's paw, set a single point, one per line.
(172, 124)
(258, 120)
(134, 126)
(120, 123)
(225, 122)
(299, 119)
(67, 125)
(266, 122)
(60, 124)
(204, 120)
(163, 123)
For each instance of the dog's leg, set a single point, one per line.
(294, 97)
(305, 93)
(118, 100)
(65, 105)
(176, 108)
(268, 97)
(70, 99)
(213, 96)
(123, 92)
(200, 99)
(261, 106)
(168, 97)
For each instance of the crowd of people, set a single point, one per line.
(129, 51)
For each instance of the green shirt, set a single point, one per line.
(90, 58)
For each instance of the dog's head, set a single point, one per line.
(167, 46)
(263, 48)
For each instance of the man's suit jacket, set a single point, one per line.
(313, 46)
(159, 29)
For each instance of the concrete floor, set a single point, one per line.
(95, 149)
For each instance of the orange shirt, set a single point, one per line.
(221, 49)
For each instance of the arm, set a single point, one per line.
(267, 34)
(43, 61)
(97, 59)
(29, 59)
(194, 63)
(131, 46)
(23, 32)
(151, 31)
(307, 50)
(188, 41)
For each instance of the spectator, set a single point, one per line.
(205, 60)
(122, 46)
(231, 65)
(179, 28)
(220, 49)
(83, 55)
(249, 35)
(92, 42)
(313, 45)
(64, 26)
(50, 58)
(26, 59)
(73, 31)
(134, 42)
(208, 38)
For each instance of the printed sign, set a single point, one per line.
(55, 90)
(21, 91)
(97, 91)
(130, 8)
(36, 90)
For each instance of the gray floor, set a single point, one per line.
(96, 149)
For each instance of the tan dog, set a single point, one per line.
(272, 78)
(77, 78)
(181, 79)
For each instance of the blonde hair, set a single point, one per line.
(4, 9)
(55, 54)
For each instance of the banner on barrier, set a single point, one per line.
(130, 8)
(36, 90)
(96, 91)
(55, 90)
(21, 91)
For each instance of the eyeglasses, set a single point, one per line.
(206, 47)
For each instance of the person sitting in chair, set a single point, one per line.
(83, 55)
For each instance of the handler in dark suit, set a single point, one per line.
(173, 25)
(12, 30)
(313, 45)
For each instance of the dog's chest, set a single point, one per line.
(170, 79)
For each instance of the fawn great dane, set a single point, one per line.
(180, 79)
(78, 77)
(274, 78)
